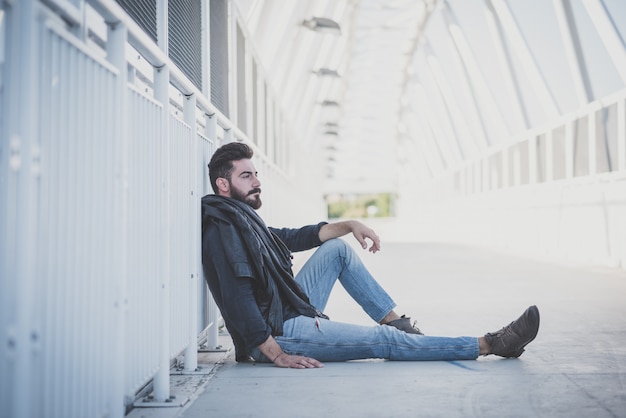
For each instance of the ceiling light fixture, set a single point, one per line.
(323, 25)
(327, 72)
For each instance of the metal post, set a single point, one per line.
(591, 141)
(116, 54)
(573, 50)
(532, 159)
(609, 34)
(191, 351)
(535, 77)
(213, 329)
(621, 134)
(22, 123)
(228, 136)
(549, 155)
(569, 149)
(161, 379)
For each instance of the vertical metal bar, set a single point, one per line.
(512, 84)
(161, 379)
(206, 46)
(228, 136)
(591, 141)
(22, 124)
(573, 50)
(161, 93)
(505, 168)
(609, 34)
(191, 352)
(569, 149)
(213, 330)
(621, 134)
(532, 159)
(480, 93)
(531, 69)
(116, 54)
(549, 155)
(211, 127)
(450, 108)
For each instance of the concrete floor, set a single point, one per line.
(575, 368)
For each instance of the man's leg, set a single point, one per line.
(329, 341)
(333, 260)
(326, 340)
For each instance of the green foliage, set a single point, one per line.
(378, 205)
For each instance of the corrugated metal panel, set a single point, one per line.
(77, 231)
(219, 55)
(185, 38)
(181, 179)
(208, 311)
(145, 248)
(242, 102)
(143, 12)
(99, 213)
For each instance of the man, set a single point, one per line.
(274, 317)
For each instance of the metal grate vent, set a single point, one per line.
(144, 13)
(219, 55)
(185, 38)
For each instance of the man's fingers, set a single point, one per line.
(298, 362)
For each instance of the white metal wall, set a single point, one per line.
(146, 249)
(100, 184)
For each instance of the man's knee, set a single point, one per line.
(336, 245)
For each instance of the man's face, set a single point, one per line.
(244, 185)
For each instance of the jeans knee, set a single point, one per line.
(336, 245)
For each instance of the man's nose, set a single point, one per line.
(256, 183)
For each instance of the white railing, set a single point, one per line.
(558, 190)
(100, 185)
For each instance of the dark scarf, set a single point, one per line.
(269, 256)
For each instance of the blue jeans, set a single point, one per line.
(326, 340)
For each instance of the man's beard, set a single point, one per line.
(247, 198)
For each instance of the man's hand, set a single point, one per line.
(296, 362)
(360, 232)
(272, 351)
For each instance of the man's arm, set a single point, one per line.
(360, 232)
(272, 350)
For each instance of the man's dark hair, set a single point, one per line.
(221, 164)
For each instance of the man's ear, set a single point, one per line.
(222, 184)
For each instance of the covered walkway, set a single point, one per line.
(463, 124)
(575, 368)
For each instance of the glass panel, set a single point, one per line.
(581, 147)
(558, 153)
(541, 158)
(523, 162)
(606, 139)
(496, 171)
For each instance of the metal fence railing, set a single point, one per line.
(100, 186)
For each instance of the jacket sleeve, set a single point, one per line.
(300, 239)
(232, 287)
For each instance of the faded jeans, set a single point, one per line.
(326, 340)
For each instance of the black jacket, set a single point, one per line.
(248, 269)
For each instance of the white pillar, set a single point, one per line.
(22, 138)
(191, 351)
(116, 54)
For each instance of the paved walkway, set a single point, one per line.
(575, 368)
